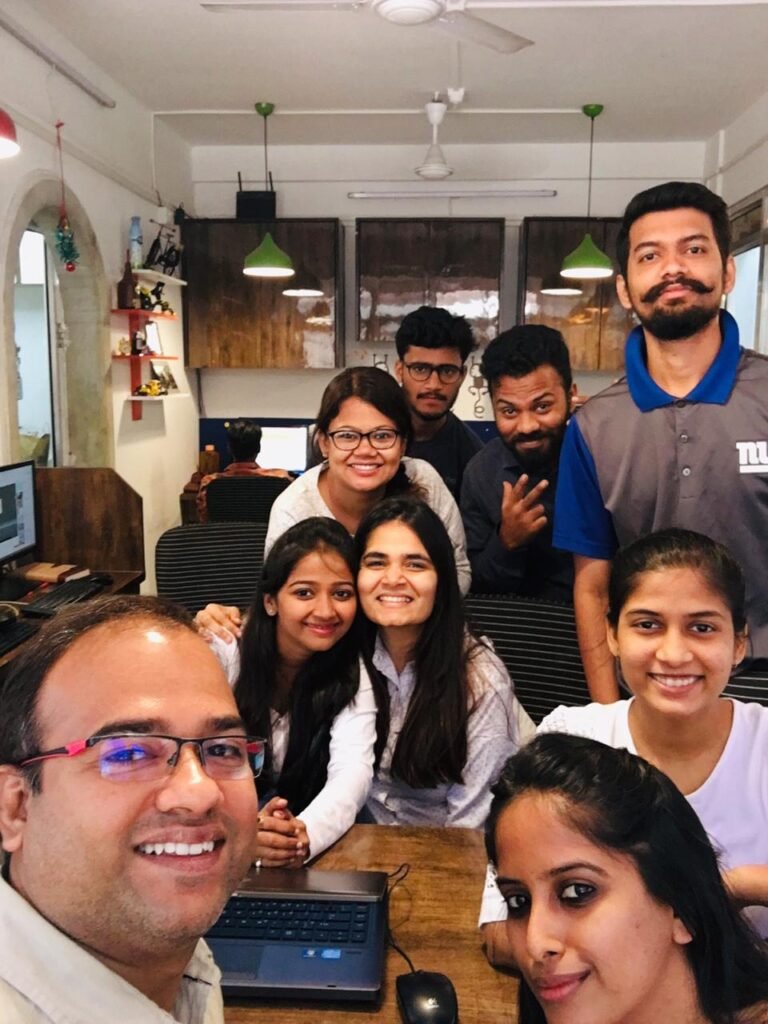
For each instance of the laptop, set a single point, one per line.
(304, 934)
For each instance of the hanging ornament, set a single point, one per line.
(65, 237)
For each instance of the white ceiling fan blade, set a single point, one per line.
(475, 30)
(233, 6)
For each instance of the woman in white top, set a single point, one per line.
(298, 682)
(677, 625)
(362, 431)
(448, 716)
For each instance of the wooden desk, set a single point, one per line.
(433, 915)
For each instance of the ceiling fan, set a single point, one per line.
(449, 15)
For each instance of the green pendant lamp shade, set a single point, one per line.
(268, 260)
(587, 262)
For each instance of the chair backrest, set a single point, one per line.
(243, 498)
(750, 685)
(537, 642)
(200, 563)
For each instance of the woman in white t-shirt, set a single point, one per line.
(677, 625)
(298, 681)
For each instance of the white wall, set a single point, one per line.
(107, 165)
(736, 158)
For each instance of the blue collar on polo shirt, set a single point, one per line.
(715, 386)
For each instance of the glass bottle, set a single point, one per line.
(126, 286)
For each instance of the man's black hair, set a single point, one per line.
(675, 195)
(430, 327)
(244, 440)
(523, 349)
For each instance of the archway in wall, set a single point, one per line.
(85, 301)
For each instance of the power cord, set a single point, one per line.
(396, 877)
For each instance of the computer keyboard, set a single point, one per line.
(14, 633)
(294, 920)
(68, 593)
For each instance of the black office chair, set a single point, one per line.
(749, 685)
(537, 642)
(244, 499)
(199, 563)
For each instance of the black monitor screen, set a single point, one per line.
(17, 510)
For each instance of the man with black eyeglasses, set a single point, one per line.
(128, 813)
(432, 348)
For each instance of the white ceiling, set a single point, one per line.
(665, 71)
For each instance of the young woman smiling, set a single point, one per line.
(362, 430)
(617, 913)
(676, 624)
(448, 716)
(298, 682)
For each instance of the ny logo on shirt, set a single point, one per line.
(753, 456)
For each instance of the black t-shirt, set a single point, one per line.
(449, 451)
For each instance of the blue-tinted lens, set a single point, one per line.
(134, 756)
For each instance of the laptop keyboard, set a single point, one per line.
(294, 920)
(67, 593)
(14, 633)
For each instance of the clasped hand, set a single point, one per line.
(282, 840)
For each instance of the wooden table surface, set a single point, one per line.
(433, 915)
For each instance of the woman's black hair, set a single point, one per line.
(432, 746)
(623, 804)
(678, 549)
(379, 389)
(325, 684)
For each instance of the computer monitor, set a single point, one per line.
(17, 510)
(283, 448)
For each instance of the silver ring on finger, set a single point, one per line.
(257, 863)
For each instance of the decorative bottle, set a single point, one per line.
(137, 242)
(126, 286)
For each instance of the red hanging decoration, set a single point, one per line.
(65, 237)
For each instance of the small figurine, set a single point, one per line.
(145, 297)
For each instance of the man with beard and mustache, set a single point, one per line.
(432, 347)
(680, 440)
(508, 489)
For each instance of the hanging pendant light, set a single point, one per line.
(587, 262)
(553, 284)
(304, 285)
(8, 144)
(267, 259)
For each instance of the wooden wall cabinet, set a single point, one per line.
(235, 321)
(594, 324)
(406, 263)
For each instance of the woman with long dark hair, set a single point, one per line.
(616, 909)
(298, 682)
(448, 716)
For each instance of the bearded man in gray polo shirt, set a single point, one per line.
(128, 813)
(682, 439)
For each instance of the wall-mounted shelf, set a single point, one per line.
(143, 314)
(155, 275)
(136, 362)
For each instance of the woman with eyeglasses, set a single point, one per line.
(361, 431)
(298, 682)
(448, 715)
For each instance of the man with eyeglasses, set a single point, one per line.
(432, 347)
(128, 811)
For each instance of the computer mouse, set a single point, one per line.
(426, 997)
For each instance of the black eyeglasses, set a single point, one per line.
(447, 372)
(348, 440)
(132, 757)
